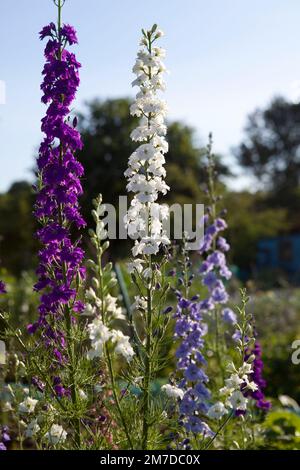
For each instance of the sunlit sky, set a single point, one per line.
(226, 57)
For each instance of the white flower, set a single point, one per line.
(99, 334)
(147, 273)
(172, 391)
(234, 381)
(146, 173)
(91, 294)
(237, 401)
(32, 429)
(245, 369)
(226, 391)
(135, 265)
(250, 385)
(159, 33)
(217, 411)
(139, 304)
(6, 406)
(56, 434)
(123, 345)
(112, 307)
(28, 405)
(82, 394)
(89, 310)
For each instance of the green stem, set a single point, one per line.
(116, 396)
(108, 355)
(147, 380)
(218, 431)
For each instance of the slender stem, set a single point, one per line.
(116, 397)
(108, 355)
(218, 431)
(147, 380)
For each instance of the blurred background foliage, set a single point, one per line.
(269, 152)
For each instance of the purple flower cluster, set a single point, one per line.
(4, 437)
(2, 288)
(57, 207)
(190, 329)
(213, 248)
(257, 377)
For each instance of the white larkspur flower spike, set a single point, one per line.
(146, 172)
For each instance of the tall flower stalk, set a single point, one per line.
(57, 209)
(214, 270)
(145, 175)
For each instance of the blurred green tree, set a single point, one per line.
(271, 152)
(18, 246)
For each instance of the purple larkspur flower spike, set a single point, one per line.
(57, 207)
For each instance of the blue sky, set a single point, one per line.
(225, 57)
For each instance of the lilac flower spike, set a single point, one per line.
(59, 187)
(190, 330)
(213, 247)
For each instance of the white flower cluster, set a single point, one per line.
(110, 306)
(173, 392)
(100, 334)
(100, 303)
(233, 396)
(146, 172)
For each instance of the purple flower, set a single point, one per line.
(229, 316)
(4, 437)
(69, 34)
(2, 288)
(219, 295)
(194, 373)
(49, 30)
(190, 329)
(210, 279)
(222, 244)
(57, 207)
(197, 426)
(214, 266)
(257, 377)
(220, 224)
